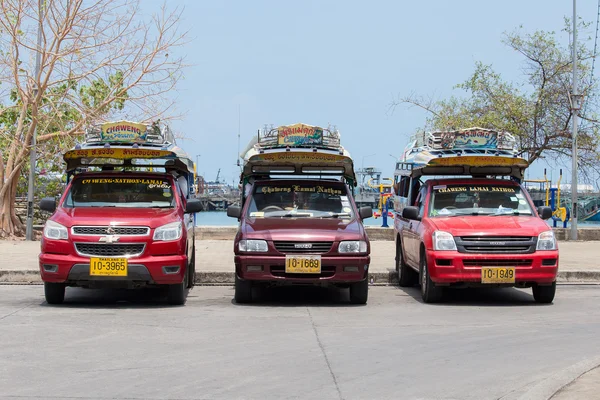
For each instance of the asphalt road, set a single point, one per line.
(301, 343)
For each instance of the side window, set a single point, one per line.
(421, 200)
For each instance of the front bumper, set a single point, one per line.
(75, 270)
(344, 269)
(448, 267)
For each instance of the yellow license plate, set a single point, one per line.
(108, 267)
(303, 264)
(497, 275)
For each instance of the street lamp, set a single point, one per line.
(362, 164)
(575, 107)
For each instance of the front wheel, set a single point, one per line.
(544, 294)
(243, 291)
(54, 292)
(430, 293)
(359, 292)
(177, 294)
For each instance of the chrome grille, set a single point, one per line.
(110, 249)
(496, 244)
(303, 247)
(114, 230)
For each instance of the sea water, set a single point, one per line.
(220, 218)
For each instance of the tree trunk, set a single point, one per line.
(10, 225)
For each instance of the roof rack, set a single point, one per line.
(297, 149)
(299, 135)
(473, 151)
(153, 134)
(129, 144)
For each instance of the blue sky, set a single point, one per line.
(338, 62)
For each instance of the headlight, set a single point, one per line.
(443, 241)
(54, 230)
(253, 245)
(167, 232)
(546, 241)
(352, 246)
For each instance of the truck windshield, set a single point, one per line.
(456, 200)
(120, 192)
(303, 200)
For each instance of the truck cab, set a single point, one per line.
(299, 224)
(125, 219)
(464, 220)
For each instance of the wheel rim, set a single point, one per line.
(424, 277)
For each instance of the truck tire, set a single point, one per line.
(243, 291)
(54, 292)
(429, 291)
(544, 294)
(177, 294)
(407, 277)
(359, 292)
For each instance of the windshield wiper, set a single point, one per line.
(512, 212)
(336, 215)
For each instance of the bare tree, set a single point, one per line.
(99, 59)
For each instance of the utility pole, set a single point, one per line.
(32, 151)
(575, 107)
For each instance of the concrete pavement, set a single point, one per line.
(579, 261)
(295, 343)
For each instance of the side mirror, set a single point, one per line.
(193, 206)
(365, 212)
(48, 204)
(545, 212)
(234, 212)
(410, 213)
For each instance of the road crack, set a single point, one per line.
(333, 377)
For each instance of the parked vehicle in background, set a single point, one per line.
(126, 216)
(463, 219)
(299, 224)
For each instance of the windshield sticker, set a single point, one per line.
(257, 214)
(522, 202)
(476, 189)
(152, 183)
(347, 209)
(514, 198)
(300, 189)
(166, 194)
(344, 198)
(520, 195)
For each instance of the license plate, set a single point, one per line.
(108, 267)
(303, 264)
(497, 275)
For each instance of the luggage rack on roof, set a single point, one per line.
(154, 134)
(299, 135)
(474, 152)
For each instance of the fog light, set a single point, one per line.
(170, 270)
(254, 268)
(50, 267)
(350, 269)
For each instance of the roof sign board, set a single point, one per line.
(299, 135)
(123, 131)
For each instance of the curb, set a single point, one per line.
(548, 387)
(227, 278)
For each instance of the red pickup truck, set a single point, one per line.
(471, 229)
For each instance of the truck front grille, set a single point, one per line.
(126, 250)
(303, 247)
(111, 230)
(486, 262)
(496, 244)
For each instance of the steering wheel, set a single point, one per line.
(270, 208)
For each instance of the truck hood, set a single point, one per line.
(152, 217)
(506, 225)
(303, 229)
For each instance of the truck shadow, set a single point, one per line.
(299, 296)
(114, 298)
(478, 297)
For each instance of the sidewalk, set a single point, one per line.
(587, 386)
(579, 261)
